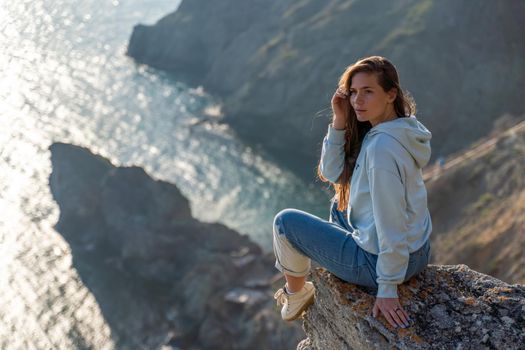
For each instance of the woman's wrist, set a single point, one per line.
(387, 290)
(338, 124)
(335, 136)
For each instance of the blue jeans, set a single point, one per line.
(299, 237)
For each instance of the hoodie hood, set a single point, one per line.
(411, 133)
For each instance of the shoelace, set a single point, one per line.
(280, 296)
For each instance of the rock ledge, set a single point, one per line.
(453, 307)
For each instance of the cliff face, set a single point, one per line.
(276, 64)
(453, 307)
(160, 276)
(477, 205)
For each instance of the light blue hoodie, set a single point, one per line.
(388, 199)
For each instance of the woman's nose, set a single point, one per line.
(358, 99)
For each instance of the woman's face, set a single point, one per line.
(368, 99)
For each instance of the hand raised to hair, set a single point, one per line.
(392, 311)
(340, 106)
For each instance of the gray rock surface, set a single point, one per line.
(160, 275)
(276, 64)
(453, 307)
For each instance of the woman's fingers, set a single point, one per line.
(392, 311)
(375, 310)
(340, 104)
(341, 93)
(404, 316)
(401, 317)
(389, 318)
(398, 320)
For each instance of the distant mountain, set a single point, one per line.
(276, 64)
(477, 205)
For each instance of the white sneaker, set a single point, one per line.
(295, 304)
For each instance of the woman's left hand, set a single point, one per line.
(393, 312)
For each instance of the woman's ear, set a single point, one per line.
(392, 94)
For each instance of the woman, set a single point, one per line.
(379, 227)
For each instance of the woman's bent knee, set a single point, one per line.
(283, 217)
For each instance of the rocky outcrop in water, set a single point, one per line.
(453, 307)
(276, 64)
(160, 276)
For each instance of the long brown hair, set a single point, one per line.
(404, 106)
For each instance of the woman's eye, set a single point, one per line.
(368, 91)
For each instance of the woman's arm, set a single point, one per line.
(387, 190)
(390, 216)
(333, 154)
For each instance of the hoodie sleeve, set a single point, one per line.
(389, 210)
(333, 154)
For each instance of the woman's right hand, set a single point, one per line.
(341, 108)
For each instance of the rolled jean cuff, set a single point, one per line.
(281, 268)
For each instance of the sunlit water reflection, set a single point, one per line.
(65, 77)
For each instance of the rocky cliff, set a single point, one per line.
(276, 64)
(160, 276)
(453, 307)
(477, 205)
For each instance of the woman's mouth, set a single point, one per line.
(360, 110)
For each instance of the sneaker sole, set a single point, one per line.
(301, 310)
